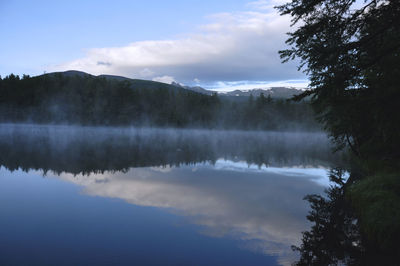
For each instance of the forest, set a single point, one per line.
(90, 100)
(350, 51)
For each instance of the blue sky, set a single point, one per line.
(216, 44)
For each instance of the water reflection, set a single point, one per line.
(338, 236)
(334, 238)
(263, 209)
(94, 150)
(246, 186)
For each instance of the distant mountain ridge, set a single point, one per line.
(274, 92)
(134, 83)
(197, 89)
(78, 98)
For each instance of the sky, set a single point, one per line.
(220, 45)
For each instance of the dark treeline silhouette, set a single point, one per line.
(336, 236)
(352, 56)
(89, 100)
(84, 150)
(351, 53)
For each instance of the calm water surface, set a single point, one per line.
(124, 196)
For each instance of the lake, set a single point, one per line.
(128, 196)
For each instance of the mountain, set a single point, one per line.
(133, 83)
(197, 89)
(74, 97)
(68, 73)
(274, 92)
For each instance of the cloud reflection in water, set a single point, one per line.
(260, 206)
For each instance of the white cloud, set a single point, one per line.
(246, 85)
(164, 79)
(145, 73)
(233, 46)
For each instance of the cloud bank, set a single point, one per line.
(233, 46)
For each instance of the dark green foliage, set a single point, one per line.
(78, 98)
(351, 52)
(334, 237)
(340, 235)
(352, 57)
(377, 201)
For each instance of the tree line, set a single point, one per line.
(91, 100)
(87, 150)
(351, 52)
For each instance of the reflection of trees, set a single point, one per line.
(335, 237)
(85, 150)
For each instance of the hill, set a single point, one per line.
(273, 92)
(134, 83)
(74, 97)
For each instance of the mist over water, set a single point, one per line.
(86, 149)
(238, 193)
